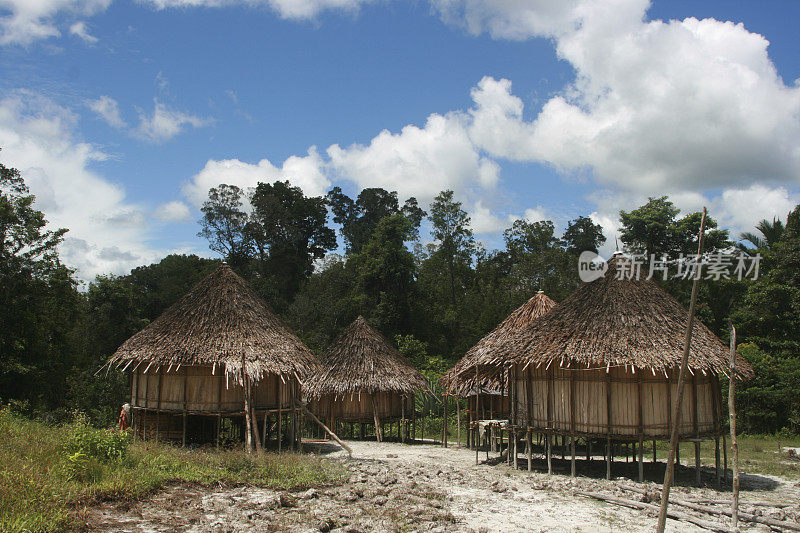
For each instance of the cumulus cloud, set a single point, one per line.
(305, 172)
(165, 123)
(175, 211)
(107, 234)
(418, 161)
(27, 21)
(79, 29)
(108, 109)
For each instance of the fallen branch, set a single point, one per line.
(675, 515)
(725, 512)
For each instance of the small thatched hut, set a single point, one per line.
(485, 384)
(364, 379)
(604, 363)
(217, 353)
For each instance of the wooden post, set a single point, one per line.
(724, 457)
(572, 420)
(609, 453)
(403, 421)
(158, 404)
(219, 423)
(529, 449)
(549, 447)
(676, 419)
(444, 420)
(264, 434)
(247, 413)
(640, 418)
(256, 436)
(376, 420)
(185, 383)
(695, 427)
(458, 421)
(654, 451)
(516, 448)
(734, 443)
(280, 411)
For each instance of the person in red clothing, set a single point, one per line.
(125, 417)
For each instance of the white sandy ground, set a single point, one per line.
(422, 487)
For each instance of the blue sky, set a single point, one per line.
(122, 113)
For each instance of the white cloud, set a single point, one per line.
(108, 109)
(31, 20)
(175, 211)
(418, 161)
(107, 234)
(305, 172)
(741, 209)
(288, 9)
(165, 123)
(79, 29)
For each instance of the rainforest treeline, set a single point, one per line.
(322, 261)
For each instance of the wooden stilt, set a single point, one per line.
(256, 436)
(572, 458)
(717, 473)
(609, 453)
(158, 404)
(264, 431)
(529, 449)
(458, 421)
(377, 420)
(654, 450)
(724, 457)
(185, 382)
(641, 458)
(516, 449)
(444, 420)
(549, 446)
(280, 412)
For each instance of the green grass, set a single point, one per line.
(41, 489)
(758, 454)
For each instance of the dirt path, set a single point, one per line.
(395, 487)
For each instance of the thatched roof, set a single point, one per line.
(618, 322)
(360, 361)
(460, 380)
(221, 322)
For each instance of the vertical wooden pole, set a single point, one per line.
(609, 452)
(444, 421)
(529, 449)
(280, 411)
(264, 431)
(458, 421)
(549, 446)
(654, 451)
(676, 419)
(219, 423)
(403, 421)
(158, 403)
(734, 443)
(572, 420)
(696, 431)
(185, 386)
(724, 457)
(247, 413)
(376, 420)
(640, 418)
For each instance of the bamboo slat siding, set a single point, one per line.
(582, 396)
(358, 408)
(206, 393)
(488, 406)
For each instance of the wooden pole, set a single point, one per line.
(529, 449)
(185, 383)
(734, 443)
(640, 419)
(377, 420)
(256, 436)
(280, 411)
(403, 422)
(676, 418)
(609, 453)
(445, 399)
(458, 421)
(158, 412)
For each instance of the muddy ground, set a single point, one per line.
(424, 487)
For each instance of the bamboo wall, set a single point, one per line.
(488, 406)
(358, 407)
(195, 390)
(620, 403)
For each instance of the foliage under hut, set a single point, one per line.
(216, 360)
(603, 365)
(364, 380)
(480, 380)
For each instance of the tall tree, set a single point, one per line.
(359, 218)
(771, 232)
(223, 224)
(454, 237)
(289, 231)
(583, 235)
(385, 270)
(538, 259)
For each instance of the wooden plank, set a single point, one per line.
(609, 453)
(640, 422)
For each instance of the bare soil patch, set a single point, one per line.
(422, 487)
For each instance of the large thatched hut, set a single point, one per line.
(217, 355)
(604, 363)
(364, 379)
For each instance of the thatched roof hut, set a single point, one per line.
(460, 380)
(222, 322)
(604, 363)
(219, 350)
(364, 379)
